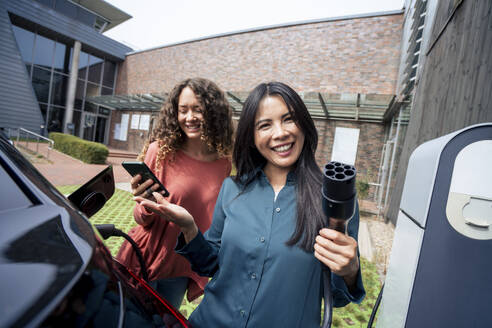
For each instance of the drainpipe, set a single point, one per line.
(395, 142)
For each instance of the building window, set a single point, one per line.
(100, 24)
(43, 52)
(55, 120)
(59, 89)
(44, 110)
(95, 69)
(25, 42)
(41, 83)
(83, 63)
(106, 91)
(79, 94)
(92, 89)
(108, 76)
(48, 63)
(86, 17)
(77, 116)
(62, 59)
(345, 145)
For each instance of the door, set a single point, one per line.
(100, 129)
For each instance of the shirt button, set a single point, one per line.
(277, 209)
(242, 312)
(253, 276)
(262, 239)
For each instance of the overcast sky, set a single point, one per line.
(160, 22)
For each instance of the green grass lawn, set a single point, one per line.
(119, 211)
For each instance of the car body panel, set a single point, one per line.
(54, 267)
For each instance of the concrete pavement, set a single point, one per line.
(62, 170)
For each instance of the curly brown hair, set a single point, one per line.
(217, 128)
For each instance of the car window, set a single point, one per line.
(12, 196)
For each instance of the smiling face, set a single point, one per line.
(190, 114)
(277, 137)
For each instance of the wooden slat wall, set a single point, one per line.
(455, 88)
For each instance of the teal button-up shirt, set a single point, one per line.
(257, 280)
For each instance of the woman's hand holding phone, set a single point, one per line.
(144, 182)
(171, 212)
(150, 194)
(143, 189)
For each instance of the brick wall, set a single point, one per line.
(359, 55)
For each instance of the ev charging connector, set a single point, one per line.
(339, 204)
(339, 194)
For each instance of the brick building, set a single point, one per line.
(345, 68)
(341, 55)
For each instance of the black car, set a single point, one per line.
(54, 268)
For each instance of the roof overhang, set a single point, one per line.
(106, 10)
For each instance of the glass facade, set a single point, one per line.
(48, 65)
(76, 12)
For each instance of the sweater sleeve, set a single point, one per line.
(341, 294)
(202, 252)
(140, 214)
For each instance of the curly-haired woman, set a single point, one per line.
(189, 151)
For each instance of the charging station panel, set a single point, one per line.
(444, 235)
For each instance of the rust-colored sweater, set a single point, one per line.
(192, 184)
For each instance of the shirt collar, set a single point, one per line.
(291, 177)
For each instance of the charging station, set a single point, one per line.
(440, 271)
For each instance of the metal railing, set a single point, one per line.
(31, 137)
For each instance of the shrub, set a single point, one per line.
(362, 186)
(87, 151)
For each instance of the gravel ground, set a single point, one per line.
(382, 239)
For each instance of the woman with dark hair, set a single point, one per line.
(267, 244)
(189, 151)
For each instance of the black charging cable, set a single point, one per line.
(339, 204)
(375, 308)
(109, 230)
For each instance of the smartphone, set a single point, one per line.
(141, 168)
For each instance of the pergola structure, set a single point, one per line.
(378, 108)
(147, 101)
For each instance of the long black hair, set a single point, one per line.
(310, 217)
